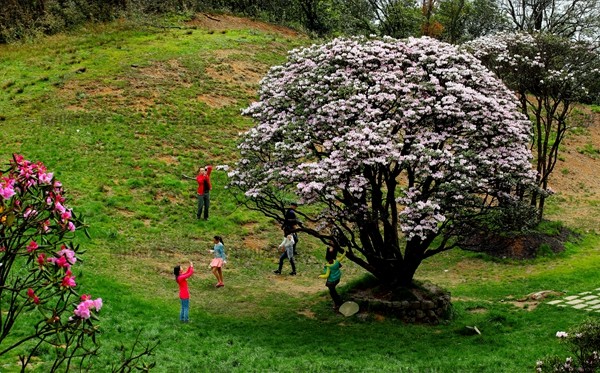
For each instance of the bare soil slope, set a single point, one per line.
(576, 179)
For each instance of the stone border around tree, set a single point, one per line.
(429, 305)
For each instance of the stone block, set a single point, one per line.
(427, 305)
(589, 297)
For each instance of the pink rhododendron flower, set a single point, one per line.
(32, 246)
(82, 311)
(69, 254)
(31, 295)
(83, 308)
(85, 297)
(18, 158)
(59, 207)
(41, 259)
(71, 226)
(98, 304)
(45, 178)
(66, 215)
(68, 281)
(29, 212)
(60, 262)
(65, 259)
(7, 188)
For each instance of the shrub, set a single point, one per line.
(39, 305)
(584, 344)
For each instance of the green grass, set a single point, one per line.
(153, 104)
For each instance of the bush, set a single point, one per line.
(38, 301)
(584, 344)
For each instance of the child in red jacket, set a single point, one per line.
(184, 293)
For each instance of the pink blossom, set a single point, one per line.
(83, 308)
(66, 215)
(59, 207)
(32, 246)
(69, 280)
(68, 256)
(60, 262)
(18, 158)
(31, 295)
(82, 311)
(338, 125)
(7, 188)
(29, 212)
(41, 259)
(45, 178)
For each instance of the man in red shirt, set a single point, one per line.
(204, 188)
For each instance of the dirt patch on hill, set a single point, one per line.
(522, 246)
(575, 177)
(223, 22)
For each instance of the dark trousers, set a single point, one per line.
(203, 204)
(337, 300)
(282, 258)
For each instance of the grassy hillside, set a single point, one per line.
(121, 112)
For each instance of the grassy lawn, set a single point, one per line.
(119, 112)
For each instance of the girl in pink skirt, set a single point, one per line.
(220, 259)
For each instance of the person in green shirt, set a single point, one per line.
(333, 275)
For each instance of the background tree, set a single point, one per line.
(484, 18)
(572, 19)
(400, 19)
(453, 16)
(430, 26)
(550, 75)
(396, 146)
(466, 20)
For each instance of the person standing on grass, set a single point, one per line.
(216, 265)
(204, 187)
(287, 246)
(184, 293)
(333, 275)
(289, 224)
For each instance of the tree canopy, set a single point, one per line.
(550, 74)
(392, 143)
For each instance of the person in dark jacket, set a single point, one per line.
(290, 223)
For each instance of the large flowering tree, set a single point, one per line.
(37, 281)
(550, 75)
(397, 146)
